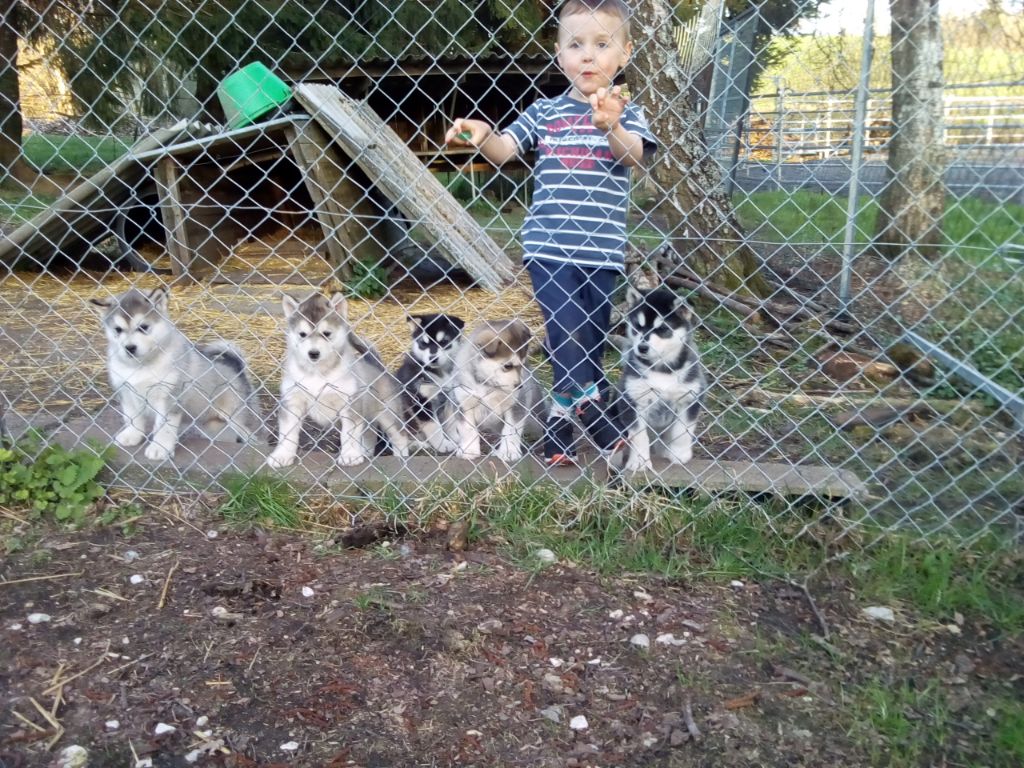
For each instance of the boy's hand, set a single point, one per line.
(608, 106)
(467, 133)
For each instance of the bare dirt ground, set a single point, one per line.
(264, 648)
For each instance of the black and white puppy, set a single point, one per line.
(427, 378)
(662, 379)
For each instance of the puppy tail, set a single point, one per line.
(227, 354)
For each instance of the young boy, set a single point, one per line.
(574, 237)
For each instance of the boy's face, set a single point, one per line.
(591, 49)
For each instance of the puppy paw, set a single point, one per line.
(639, 465)
(129, 437)
(279, 459)
(681, 456)
(470, 455)
(350, 459)
(158, 452)
(509, 453)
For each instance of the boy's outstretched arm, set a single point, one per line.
(498, 148)
(608, 106)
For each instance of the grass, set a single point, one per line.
(261, 498)
(17, 208)
(72, 154)
(815, 218)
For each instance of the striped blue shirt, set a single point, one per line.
(581, 192)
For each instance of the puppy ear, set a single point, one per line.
(681, 308)
(458, 322)
(158, 298)
(521, 336)
(339, 303)
(633, 296)
(413, 321)
(103, 304)
(289, 305)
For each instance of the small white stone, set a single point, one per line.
(667, 638)
(112, 725)
(212, 534)
(144, 762)
(579, 723)
(555, 661)
(162, 728)
(137, 578)
(474, 732)
(193, 756)
(640, 641)
(15, 627)
(615, 615)
(642, 596)
(130, 555)
(204, 734)
(289, 746)
(201, 721)
(649, 740)
(125, 641)
(38, 618)
(737, 584)
(73, 757)
(308, 592)
(594, 661)
(546, 556)
(879, 612)
(77, 641)
(554, 714)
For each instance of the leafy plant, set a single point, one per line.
(369, 280)
(49, 479)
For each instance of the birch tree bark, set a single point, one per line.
(910, 211)
(691, 206)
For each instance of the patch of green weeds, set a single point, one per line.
(369, 280)
(904, 724)
(941, 578)
(49, 480)
(123, 516)
(261, 498)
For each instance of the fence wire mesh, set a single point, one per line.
(855, 275)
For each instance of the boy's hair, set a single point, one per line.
(618, 7)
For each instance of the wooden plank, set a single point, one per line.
(174, 217)
(341, 207)
(397, 172)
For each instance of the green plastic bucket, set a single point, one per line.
(250, 93)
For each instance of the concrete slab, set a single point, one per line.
(201, 463)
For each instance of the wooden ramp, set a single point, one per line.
(396, 171)
(85, 215)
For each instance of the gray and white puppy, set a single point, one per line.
(427, 379)
(162, 379)
(334, 378)
(496, 390)
(662, 379)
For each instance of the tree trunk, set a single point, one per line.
(691, 205)
(910, 211)
(12, 162)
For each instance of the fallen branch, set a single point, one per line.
(40, 578)
(167, 583)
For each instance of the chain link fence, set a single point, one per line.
(846, 227)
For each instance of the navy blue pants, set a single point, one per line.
(577, 305)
